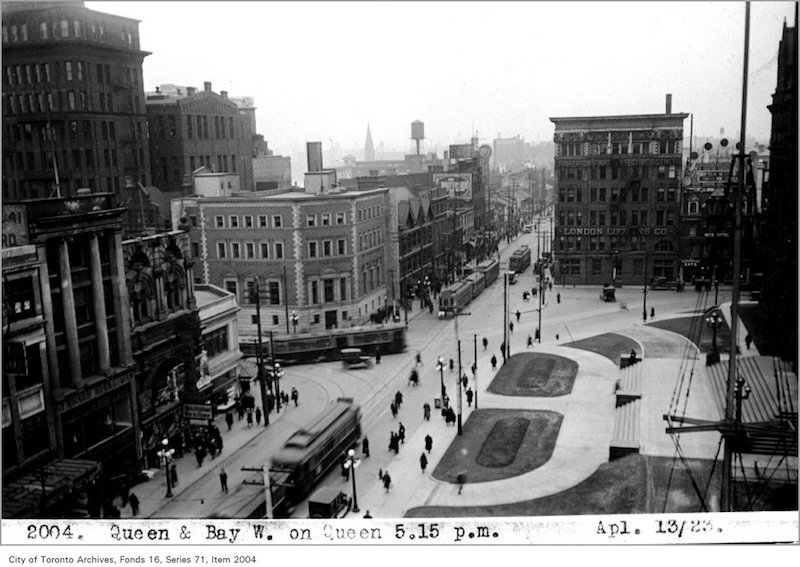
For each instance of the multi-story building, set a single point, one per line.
(73, 102)
(779, 200)
(191, 129)
(618, 180)
(68, 394)
(321, 253)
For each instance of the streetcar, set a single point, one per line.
(478, 282)
(455, 297)
(490, 270)
(520, 260)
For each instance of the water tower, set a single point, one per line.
(417, 132)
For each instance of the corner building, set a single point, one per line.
(618, 181)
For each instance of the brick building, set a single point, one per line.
(618, 181)
(73, 101)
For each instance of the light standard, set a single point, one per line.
(277, 373)
(440, 368)
(295, 319)
(713, 321)
(166, 455)
(352, 463)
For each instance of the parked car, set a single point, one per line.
(328, 502)
(663, 283)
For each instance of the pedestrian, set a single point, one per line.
(632, 357)
(200, 454)
(464, 380)
(469, 397)
(258, 416)
(377, 355)
(426, 411)
(133, 500)
(419, 359)
(428, 443)
(398, 399)
(748, 340)
(380, 474)
(173, 475)
(452, 365)
(503, 349)
(530, 341)
(229, 420)
(511, 326)
(494, 362)
(212, 448)
(556, 336)
(518, 315)
(401, 433)
(387, 481)
(413, 378)
(652, 312)
(423, 462)
(394, 409)
(558, 297)
(295, 396)
(485, 343)
(461, 479)
(249, 419)
(223, 480)
(365, 446)
(550, 284)
(345, 469)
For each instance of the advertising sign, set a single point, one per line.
(15, 226)
(456, 185)
(197, 411)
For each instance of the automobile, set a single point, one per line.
(608, 294)
(352, 358)
(512, 277)
(527, 229)
(663, 283)
(328, 502)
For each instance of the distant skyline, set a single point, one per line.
(322, 71)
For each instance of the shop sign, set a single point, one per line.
(197, 411)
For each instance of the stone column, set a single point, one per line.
(99, 301)
(70, 322)
(191, 301)
(161, 303)
(122, 312)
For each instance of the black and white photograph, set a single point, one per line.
(398, 273)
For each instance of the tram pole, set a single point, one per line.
(475, 353)
(259, 357)
(459, 388)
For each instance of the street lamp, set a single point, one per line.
(440, 368)
(166, 455)
(713, 321)
(295, 318)
(276, 374)
(352, 463)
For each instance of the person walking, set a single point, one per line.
(530, 341)
(558, 297)
(401, 433)
(398, 399)
(464, 380)
(200, 454)
(494, 362)
(485, 343)
(173, 474)
(133, 500)
(748, 340)
(345, 468)
(426, 411)
(393, 407)
(511, 326)
(469, 397)
(423, 462)
(452, 364)
(377, 355)
(212, 448)
(249, 419)
(229, 420)
(258, 416)
(428, 443)
(365, 446)
(518, 315)
(652, 312)
(223, 480)
(387, 481)
(295, 395)
(419, 359)
(461, 479)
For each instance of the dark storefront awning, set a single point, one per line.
(22, 498)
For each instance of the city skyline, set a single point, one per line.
(345, 69)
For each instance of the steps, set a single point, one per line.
(627, 430)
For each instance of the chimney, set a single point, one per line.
(207, 86)
(224, 94)
(158, 90)
(669, 104)
(190, 91)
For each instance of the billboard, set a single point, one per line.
(15, 226)
(458, 185)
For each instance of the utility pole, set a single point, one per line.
(505, 315)
(459, 389)
(644, 304)
(275, 376)
(475, 355)
(286, 299)
(541, 293)
(259, 358)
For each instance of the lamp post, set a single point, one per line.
(713, 321)
(352, 463)
(644, 288)
(277, 373)
(440, 368)
(295, 318)
(166, 455)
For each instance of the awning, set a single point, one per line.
(22, 498)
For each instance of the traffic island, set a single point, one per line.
(541, 375)
(498, 444)
(610, 345)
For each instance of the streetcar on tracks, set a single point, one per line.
(520, 260)
(490, 270)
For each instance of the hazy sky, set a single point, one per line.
(323, 70)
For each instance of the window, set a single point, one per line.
(614, 194)
(327, 248)
(644, 195)
(562, 194)
(671, 173)
(326, 219)
(235, 251)
(343, 291)
(216, 341)
(660, 194)
(277, 221)
(68, 70)
(643, 217)
(570, 194)
(312, 249)
(634, 194)
(593, 194)
(670, 194)
(265, 250)
(42, 30)
(314, 292)
(670, 218)
(327, 290)
(340, 247)
(597, 266)
(64, 28)
(693, 207)
(662, 172)
(279, 250)
(249, 250)
(234, 221)
(602, 196)
(262, 221)
(220, 221)
(339, 218)
(248, 221)
(232, 286)
(221, 250)
(311, 220)
(659, 218)
(274, 293)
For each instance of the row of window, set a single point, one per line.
(58, 101)
(603, 194)
(615, 171)
(65, 29)
(371, 212)
(570, 149)
(235, 250)
(64, 71)
(616, 218)
(636, 243)
(656, 268)
(247, 221)
(63, 160)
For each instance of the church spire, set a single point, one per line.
(369, 148)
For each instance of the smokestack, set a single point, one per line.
(314, 156)
(669, 104)
(224, 94)
(190, 91)
(207, 86)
